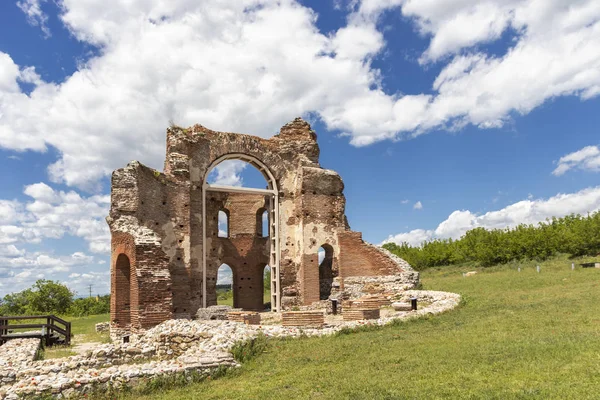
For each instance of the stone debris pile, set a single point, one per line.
(356, 287)
(14, 355)
(102, 327)
(175, 346)
(215, 312)
(246, 317)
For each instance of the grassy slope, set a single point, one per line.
(517, 335)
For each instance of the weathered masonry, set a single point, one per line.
(166, 247)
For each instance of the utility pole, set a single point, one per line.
(90, 286)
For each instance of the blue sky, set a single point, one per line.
(439, 116)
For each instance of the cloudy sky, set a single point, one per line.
(440, 115)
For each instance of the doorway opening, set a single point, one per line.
(225, 290)
(325, 271)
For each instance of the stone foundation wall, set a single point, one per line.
(174, 346)
(388, 286)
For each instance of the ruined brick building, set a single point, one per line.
(166, 248)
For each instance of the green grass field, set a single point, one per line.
(516, 336)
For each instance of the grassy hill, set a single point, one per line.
(518, 335)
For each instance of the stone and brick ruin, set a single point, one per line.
(166, 247)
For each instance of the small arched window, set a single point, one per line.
(262, 222)
(223, 224)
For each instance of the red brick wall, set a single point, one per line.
(154, 285)
(163, 213)
(359, 259)
(124, 293)
(244, 251)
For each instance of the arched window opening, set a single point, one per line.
(267, 287)
(265, 224)
(262, 222)
(325, 271)
(123, 290)
(225, 285)
(237, 173)
(223, 224)
(246, 189)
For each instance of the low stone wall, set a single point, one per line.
(315, 319)
(245, 317)
(356, 314)
(16, 354)
(175, 346)
(215, 312)
(388, 286)
(369, 302)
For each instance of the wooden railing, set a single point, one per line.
(52, 324)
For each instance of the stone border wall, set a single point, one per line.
(175, 346)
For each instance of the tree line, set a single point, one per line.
(50, 297)
(574, 235)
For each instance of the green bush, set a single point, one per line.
(50, 297)
(90, 306)
(44, 297)
(224, 294)
(575, 235)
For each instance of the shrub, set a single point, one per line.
(90, 306)
(573, 234)
(44, 297)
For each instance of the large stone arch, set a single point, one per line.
(243, 244)
(172, 230)
(251, 159)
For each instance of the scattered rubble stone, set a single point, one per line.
(215, 312)
(103, 327)
(246, 317)
(398, 306)
(174, 346)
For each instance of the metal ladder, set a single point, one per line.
(274, 253)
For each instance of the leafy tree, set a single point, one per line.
(15, 303)
(50, 297)
(44, 297)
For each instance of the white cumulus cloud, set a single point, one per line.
(228, 173)
(53, 214)
(19, 269)
(587, 159)
(253, 65)
(530, 211)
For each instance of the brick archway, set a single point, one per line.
(123, 273)
(273, 218)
